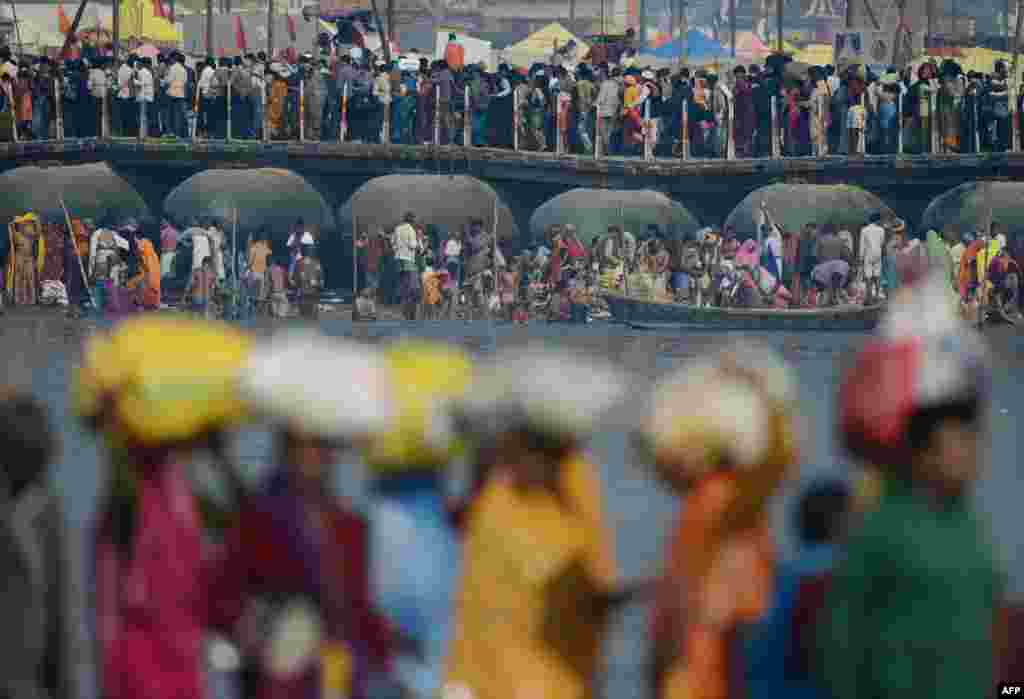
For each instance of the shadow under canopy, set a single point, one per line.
(967, 208)
(91, 191)
(446, 201)
(265, 198)
(792, 206)
(593, 210)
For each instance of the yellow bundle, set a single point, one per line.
(427, 378)
(165, 380)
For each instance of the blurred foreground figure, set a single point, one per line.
(42, 648)
(414, 555)
(156, 390)
(292, 586)
(539, 576)
(723, 437)
(912, 606)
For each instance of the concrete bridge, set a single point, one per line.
(708, 188)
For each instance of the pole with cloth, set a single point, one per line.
(302, 110)
(78, 255)
(494, 253)
(343, 130)
(467, 120)
(684, 139)
(355, 268)
(437, 115)
(227, 97)
(59, 107)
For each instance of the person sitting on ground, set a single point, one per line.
(366, 307)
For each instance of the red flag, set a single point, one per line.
(240, 34)
(158, 9)
(63, 25)
(291, 28)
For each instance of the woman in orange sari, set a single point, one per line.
(147, 282)
(727, 461)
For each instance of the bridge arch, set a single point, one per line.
(90, 191)
(264, 198)
(967, 208)
(793, 206)
(593, 210)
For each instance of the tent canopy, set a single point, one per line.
(815, 55)
(792, 206)
(698, 47)
(446, 201)
(264, 198)
(542, 42)
(966, 207)
(593, 210)
(90, 191)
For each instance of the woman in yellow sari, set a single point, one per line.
(25, 261)
(539, 575)
(147, 282)
(726, 460)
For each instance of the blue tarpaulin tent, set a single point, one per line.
(699, 47)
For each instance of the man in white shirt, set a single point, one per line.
(98, 91)
(406, 243)
(200, 246)
(126, 106)
(177, 82)
(609, 104)
(207, 99)
(872, 240)
(144, 94)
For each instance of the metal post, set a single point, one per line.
(561, 121)
(862, 126)
(1014, 116)
(302, 110)
(266, 114)
(105, 115)
(597, 135)
(648, 150)
(730, 149)
(467, 120)
(14, 128)
(773, 130)
(437, 115)
(343, 131)
(385, 136)
(977, 131)
(685, 136)
(59, 105)
(143, 116)
(899, 123)
(931, 123)
(227, 98)
(515, 119)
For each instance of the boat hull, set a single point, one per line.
(641, 313)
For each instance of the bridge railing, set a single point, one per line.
(649, 137)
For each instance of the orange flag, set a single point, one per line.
(63, 25)
(158, 9)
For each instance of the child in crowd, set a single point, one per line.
(204, 283)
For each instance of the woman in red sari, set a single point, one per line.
(292, 584)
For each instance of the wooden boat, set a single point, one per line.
(658, 315)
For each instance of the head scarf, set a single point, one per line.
(924, 356)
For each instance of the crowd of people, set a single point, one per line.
(430, 273)
(507, 590)
(606, 102)
(426, 269)
(127, 267)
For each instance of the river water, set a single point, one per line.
(40, 350)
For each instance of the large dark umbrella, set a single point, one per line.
(967, 207)
(264, 197)
(593, 210)
(90, 191)
(446, 201)
(792, 206)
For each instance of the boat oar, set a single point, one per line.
(78, 255)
